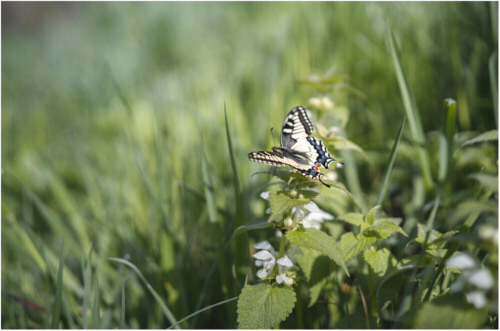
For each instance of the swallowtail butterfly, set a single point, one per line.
(299, 151)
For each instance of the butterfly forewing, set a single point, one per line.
(296, 128)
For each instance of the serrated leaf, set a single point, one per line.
(487, 136)
(352, 218)
(320, 241)
(280, 202)
(380, 261)
(309, 194)
(383, 229)
(262, 306)
(372, 215)
(449, 312)
(490, 182)
(352, 244)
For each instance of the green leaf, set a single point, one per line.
(449, 312)
(58, 302)
(487, 136)
(490, 182)
(316, 268)
(383, 229)
(372, 215)
(245, 228)
(380, 261)
(352, 244)
(320, 241)
(281, 202)
(306, 260)
(316, 289)
(352, 218)
(262, 306)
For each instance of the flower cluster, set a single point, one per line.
(474, 281)
(266, 258)
(310, 216)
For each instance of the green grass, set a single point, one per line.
(126, 129)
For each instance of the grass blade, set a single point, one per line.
(413, 117)
(450, 108)
(96, 323)
(121, 322)
(57, 307)
(202, 310)
(87, 283)
(168, 314)
(207, 184)
(392, 157)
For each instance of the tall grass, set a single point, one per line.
(126, 129)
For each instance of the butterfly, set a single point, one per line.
(299, 151)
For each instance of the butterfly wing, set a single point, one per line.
(295, 138)
(296, 128)
(279, 158)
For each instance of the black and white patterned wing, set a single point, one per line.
(279, 158)
(318, 153)
(296, 128)
(295, 138)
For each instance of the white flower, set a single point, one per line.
(481, 279)
(265, 195)
(477, 298)
(474, 281)
(284, 264)
(264, 258)
(315, 217)
(461, 261)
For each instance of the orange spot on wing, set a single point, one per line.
(318, 165)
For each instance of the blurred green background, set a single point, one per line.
(109, 109)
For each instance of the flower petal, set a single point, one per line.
(263, 255)
(265, 195)
(264, 245)
(285, 261)
(461, 261)
(312, 207)
(481, 279)
(477, 298)
(262, 273)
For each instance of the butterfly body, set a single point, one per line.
(299, 151)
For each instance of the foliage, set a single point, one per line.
(125, 130)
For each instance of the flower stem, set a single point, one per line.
(282, 246)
